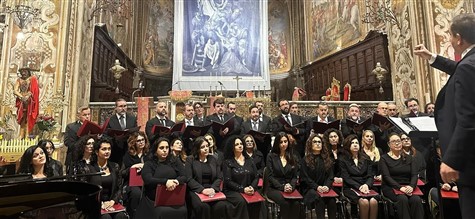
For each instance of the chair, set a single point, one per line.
(347, 92)
(273, 208)
(335, 90)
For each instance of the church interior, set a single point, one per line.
(93, 52)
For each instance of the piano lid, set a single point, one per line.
(18, 198)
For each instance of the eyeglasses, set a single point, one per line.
(141, 140)
(316, 142)
(395, 141)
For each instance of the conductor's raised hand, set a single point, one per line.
(421, 51)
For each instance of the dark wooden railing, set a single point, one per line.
(353, 65)
(103, 83)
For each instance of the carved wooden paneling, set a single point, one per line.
(353, 65)
(103, 83)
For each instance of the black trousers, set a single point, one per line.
(467, 200)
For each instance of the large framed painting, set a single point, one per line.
(280, 51)
(217, 41)
(331, 26)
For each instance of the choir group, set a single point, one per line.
(229, 167)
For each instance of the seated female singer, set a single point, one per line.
(409, 149)
(35, 161)
(135, 157)
(177, 150)
(283, 174)
(374, 153)
(240, 176)
(110, 180)
(163, 169)
(317, 176)
(213, 149)
(399, 172)
(56, 165)
(82, 158)
(204, 176)
(333, 139)
(357, 174)
(256, 155)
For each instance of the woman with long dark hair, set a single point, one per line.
(35, 161)
(82, 159)
(162, 169)
(317, 175)
(357, 174)
(204, 176)
(110, 180)
(240, 176)
(56, 165)
(333, 139)
(177, 150)
(283, 174)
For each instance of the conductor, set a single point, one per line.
(455, 111)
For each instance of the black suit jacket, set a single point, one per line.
(246, 126)
(155, 121)
(309, 125)
(120, 146)
(277, 126)
(130, 122)
(70, 139)
(221, 139)
(455, 115)
(194, 174)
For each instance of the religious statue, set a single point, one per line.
(27, 93)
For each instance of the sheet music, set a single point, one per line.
(424, 123)
(399, 123)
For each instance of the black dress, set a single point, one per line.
(312, 178)
(154, 173)
(132, 194)
(355, 176)
(397, 173)
(56, 166)
(111, 187)
(236, 178)
(202, 175)
(258, 159)
(278, 177)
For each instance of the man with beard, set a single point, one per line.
(253, 123)
(354, 115)
(26, 90)
(232, 112)
(121, 120)
(221, 117)
(158, 120)
(322, 116)
(290, 123)
(262, 117)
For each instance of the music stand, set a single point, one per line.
(423, 127)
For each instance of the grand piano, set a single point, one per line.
(49, 198)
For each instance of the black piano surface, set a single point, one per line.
(28, 198)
